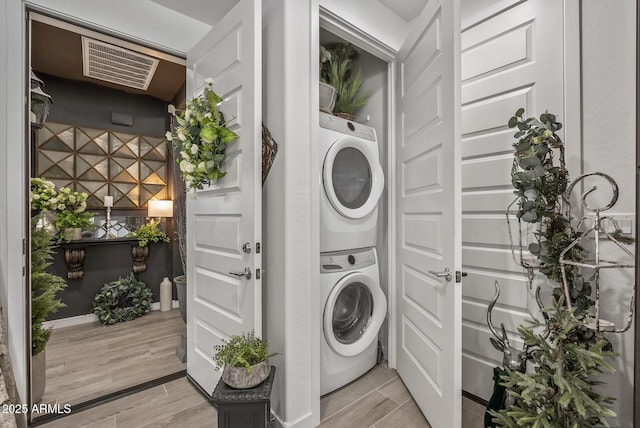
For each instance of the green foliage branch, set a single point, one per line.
(200, 139)
(343, 73)
(44, 286)
(71, 220)
(559, 392)
(148, 232)
(540, 183)
(124, 299)
(244, 350)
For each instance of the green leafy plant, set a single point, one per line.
(71, 220)
(343, 73)
(44, 286)
(148, 232)
(243, 350)
(540, 181)
(559, 392)
(124, 299)
(200, 139)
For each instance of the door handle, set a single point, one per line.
(246, 274)
(446, 274)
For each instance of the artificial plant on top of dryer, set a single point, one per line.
(339, 68)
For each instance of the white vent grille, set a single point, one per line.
(114, 64)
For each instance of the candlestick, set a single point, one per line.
(108, 222)
(108, 201)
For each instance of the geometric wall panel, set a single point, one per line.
(131, 168)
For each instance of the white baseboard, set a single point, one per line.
(90, 318)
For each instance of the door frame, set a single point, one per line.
(363, 40)
(21, 221)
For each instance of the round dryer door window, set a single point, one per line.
(352, 176)
(353, 314)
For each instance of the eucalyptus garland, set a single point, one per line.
(540, 181)
(124, 299)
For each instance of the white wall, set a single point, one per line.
(142, 20)
(12, 189)
(378, 21)
(290, 208)
(609, 146)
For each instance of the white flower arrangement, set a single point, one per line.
(200, 139)
(45, 197)
(43, 194)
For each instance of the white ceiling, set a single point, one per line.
(207, 11)
(405, 9)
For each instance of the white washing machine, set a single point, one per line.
(353, 308)
(352, 182)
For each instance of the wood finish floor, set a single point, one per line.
(378, 399)
(92, 360)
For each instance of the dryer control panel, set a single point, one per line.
(347, 260)
(335, 123)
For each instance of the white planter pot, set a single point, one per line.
(327, 97)
(241, 378)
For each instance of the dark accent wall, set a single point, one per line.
(104, 263)
(86, 104)
(91, 105)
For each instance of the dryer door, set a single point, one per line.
(352, 177)
(353, 314)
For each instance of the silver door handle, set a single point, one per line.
(446, 274)
(246, 273)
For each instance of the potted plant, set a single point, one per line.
(44, 301)
(200, 139)
(345, 76)
(145, 234)
(70, 224)
(244, 358)
(327, 92)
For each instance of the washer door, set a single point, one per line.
(353, 314)
(352, 177)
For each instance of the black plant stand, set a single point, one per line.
(244, 408)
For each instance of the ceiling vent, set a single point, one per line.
(114, 64)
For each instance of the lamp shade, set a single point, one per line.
(157, 208)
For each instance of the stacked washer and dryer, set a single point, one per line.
(353, 305)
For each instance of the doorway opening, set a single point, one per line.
(105, 136)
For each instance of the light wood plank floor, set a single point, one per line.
(378, 399)
(92, 360)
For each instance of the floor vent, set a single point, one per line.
(114, 64)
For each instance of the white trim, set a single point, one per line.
(338, 26)
(302, 421)
(391, 215)
(91, 318)
(572, 87)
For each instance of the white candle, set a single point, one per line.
(108, 201)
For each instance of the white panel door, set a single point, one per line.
(512, 59)
(428, 157)
(227, 214)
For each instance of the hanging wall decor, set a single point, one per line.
(131, 168)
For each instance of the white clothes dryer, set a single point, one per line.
(352, 182)
(353, 307)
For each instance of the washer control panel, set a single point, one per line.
(335, 123)
(340, 261)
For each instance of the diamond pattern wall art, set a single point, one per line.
(131, 168)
